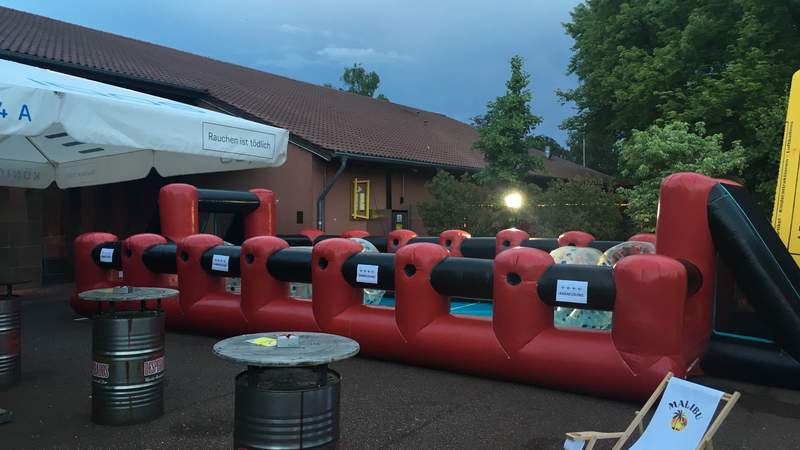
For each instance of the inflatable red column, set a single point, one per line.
(193, 282)
(452, 239)
(261, 222)
(332, 293)
(177, 207)
(137, 274)
(258, 285)
(575, 238)
(644, 237)
(311, 233)
(88, 275)
(417, 303)
(509, 238)
(518, 314)
(647, 326)
(355, 234)
(682, 232)
(398, 238)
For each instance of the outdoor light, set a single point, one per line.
(513, 200)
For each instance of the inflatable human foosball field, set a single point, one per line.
(713, 289)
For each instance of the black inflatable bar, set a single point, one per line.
(296, 240)
(478, 247)
(161, 258)
(599, 293)
(116, 256)
(222, 260)
(290, 265)
(375, 270)
(463, 277)
(758, 259)
(424, 240)
(222, 201)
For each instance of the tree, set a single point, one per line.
(726, 63)
(358, 81)
(648, 156)
(460, 203)
(586, 204)
(505, 129)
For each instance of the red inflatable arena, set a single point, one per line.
(662, 304)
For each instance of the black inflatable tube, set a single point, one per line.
(223, 201)
(370, 270)
(462, 277)
(116, 256)
(424, 239)
(296, 240)
(291, 265)
(161, 258)
(380, 242)
(228, 257)
(600, 293)
(478, 247)
(758, 259)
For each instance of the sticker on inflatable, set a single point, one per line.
(264, 341)
(572, 291)
(106, 255)
(219, 263)
(367, 273)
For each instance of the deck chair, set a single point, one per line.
(681, 421)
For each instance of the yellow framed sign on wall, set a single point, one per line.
(361, 199)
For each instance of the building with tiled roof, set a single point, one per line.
(335, 137)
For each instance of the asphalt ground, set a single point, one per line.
(384, 404)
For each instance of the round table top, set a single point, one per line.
(130, 294)
(315, 349)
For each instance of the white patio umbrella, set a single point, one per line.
(78, 132)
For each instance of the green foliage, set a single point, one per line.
(726, 63)
(461, 203)
(505, 129)
(650, 155)
(358, 81)
(586, 204)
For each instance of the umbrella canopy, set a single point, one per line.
(78, 132)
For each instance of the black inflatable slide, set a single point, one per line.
(769, 278)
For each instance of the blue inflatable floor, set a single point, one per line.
(467, 308)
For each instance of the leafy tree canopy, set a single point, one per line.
(505, 129)
(358, 81)
(650, 155)
(726, 63)
(586, 204)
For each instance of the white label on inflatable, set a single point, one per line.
(367, 273)
(106, 254)
(572, 291)
(219, 263)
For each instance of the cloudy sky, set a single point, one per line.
(448, 56)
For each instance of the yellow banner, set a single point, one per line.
(786, 213)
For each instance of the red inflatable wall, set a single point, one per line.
(656, 327)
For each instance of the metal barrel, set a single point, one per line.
(127, 367)
(10, 341)
(287, 408)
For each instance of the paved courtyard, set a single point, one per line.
(384, 404)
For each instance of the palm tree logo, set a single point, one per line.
(679, 420)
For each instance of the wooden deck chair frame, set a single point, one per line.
(591, 437)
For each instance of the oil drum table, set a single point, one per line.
(287, 398)
(127, 355)
(10, 342)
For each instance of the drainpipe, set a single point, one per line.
(324, 193)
